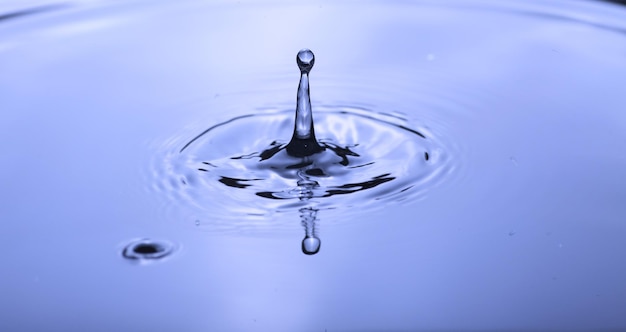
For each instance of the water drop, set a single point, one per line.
(305, 60)
(303, 142)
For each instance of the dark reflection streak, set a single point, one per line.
(409, 130)
(619, 2)
(246, 156)
(269, 153)
(235, 183)
(331, 191)
(31, 11)
(303, 164)
(556, 17)
(217, 125)
(269, 194)
(348, 188)
(358, 166)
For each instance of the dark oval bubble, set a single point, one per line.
(146, 250)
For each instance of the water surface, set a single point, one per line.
(524, 230)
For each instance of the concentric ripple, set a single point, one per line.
(369, 158)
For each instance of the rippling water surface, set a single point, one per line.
(473, 177)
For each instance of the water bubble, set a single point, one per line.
(311, 245)
(145, 250)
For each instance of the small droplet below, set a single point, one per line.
(146, 250)
(311, 245)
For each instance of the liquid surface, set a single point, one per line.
(515, 221)
(363, 151)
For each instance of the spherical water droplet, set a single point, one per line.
(311, 245)
(305, 60)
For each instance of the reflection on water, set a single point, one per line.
(22, 12)
(497, 128)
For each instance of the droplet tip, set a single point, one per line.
(305, 60)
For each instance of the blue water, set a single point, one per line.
(522, 229)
